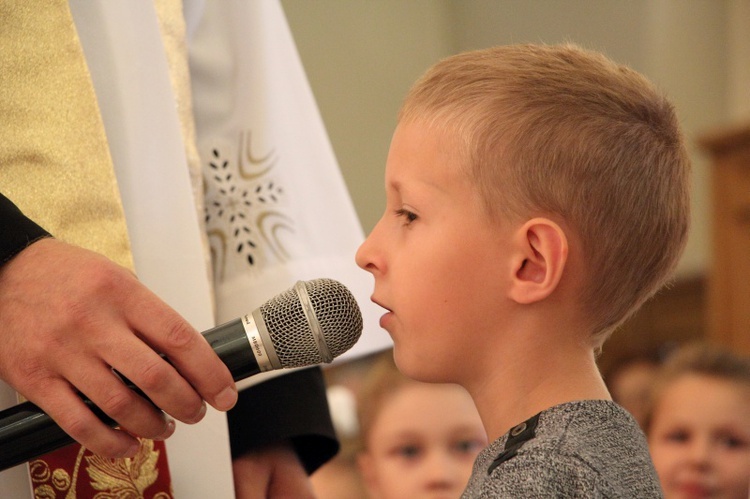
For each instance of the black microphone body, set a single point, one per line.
(284, 332)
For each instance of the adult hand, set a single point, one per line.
(70, 316)
(274, 472)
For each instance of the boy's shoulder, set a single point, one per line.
(590, 448)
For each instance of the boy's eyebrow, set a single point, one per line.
(404, 434)
(397, 186)
(393, 185)
(465, 428)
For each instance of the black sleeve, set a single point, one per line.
(293, 408)
(16, 231)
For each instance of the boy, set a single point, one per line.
(699, 424)
(536, 196)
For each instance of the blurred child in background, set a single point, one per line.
(699, 424)
(339, 478)
(419, 439)
(630, 380)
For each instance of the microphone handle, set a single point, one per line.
(27, 432)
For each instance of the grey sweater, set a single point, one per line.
(588, 448)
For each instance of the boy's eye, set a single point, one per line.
(729, 441)
(677, 436)
(408, 451)
(467, 446)
(407, 215)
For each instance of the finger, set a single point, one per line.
(157, 379)
(62, 403)
(252, 477)
(167, 332)
(289, 478)
(131, 411)
(274, 471)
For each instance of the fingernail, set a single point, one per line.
(199, 415)
(168, 429)
(226, 399)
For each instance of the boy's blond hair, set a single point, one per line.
(562, 132)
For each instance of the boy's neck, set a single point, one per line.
(533, 378)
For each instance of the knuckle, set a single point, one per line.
(32, 372)
(102, 277)
(77, 427)
(117, 403)
(32, 376)
(180, 335)
(152, 375)
(99, 276)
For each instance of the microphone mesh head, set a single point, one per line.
(337, 313)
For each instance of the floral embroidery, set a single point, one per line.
(244, 208)
(124, 478)
(127, 478)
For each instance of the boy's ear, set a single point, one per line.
(541, 251)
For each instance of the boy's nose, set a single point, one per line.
(699, 452)
(361, 256)
(366, 256)
(440, 471)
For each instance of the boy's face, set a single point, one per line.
(700, 438)
(440, 264)
(422, 443)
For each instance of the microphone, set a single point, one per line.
(312, 322)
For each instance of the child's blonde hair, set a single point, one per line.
(562, 132)
(699, 358)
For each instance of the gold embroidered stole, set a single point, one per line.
(173, 31)
(54, 158)
(55, 165)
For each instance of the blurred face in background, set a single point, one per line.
(630, 386)
(699, 438)
(422, 443)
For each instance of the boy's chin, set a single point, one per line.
(418, 368)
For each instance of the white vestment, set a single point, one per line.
(125, 54)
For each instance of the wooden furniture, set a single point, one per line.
(728, 305)
(675, 316)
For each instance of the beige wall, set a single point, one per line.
(739, 60)
(362, 55)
